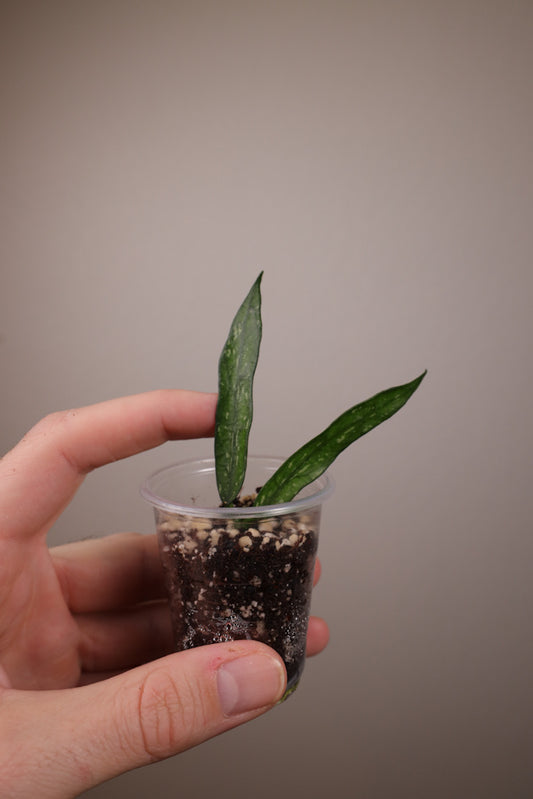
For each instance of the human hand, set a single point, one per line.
(79, 700)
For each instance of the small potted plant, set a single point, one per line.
(238, 534)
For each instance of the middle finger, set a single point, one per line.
(123, 639)
(109, 573)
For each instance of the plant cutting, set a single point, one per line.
(238, 534)
(237, 367)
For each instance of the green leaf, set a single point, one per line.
(311, 460)
(236, 370)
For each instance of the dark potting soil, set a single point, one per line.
(227, 584)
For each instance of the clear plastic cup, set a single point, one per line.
(234, 573)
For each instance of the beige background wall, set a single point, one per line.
(374, 158)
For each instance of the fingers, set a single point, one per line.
(317, 572)
(317, 636)
(116, 641)
(50, 462)
(317, 630)
(61, 743)
(109, 573)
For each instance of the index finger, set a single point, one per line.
(41, 474)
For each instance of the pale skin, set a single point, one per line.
(89, 687)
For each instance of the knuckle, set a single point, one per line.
(54, 426)
(53, 420)
(168, 714)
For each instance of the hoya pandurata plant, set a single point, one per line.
(236, 370)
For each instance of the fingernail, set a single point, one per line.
(248, 683)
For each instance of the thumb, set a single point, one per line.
(83, 736)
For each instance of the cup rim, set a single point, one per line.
(321, 489)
